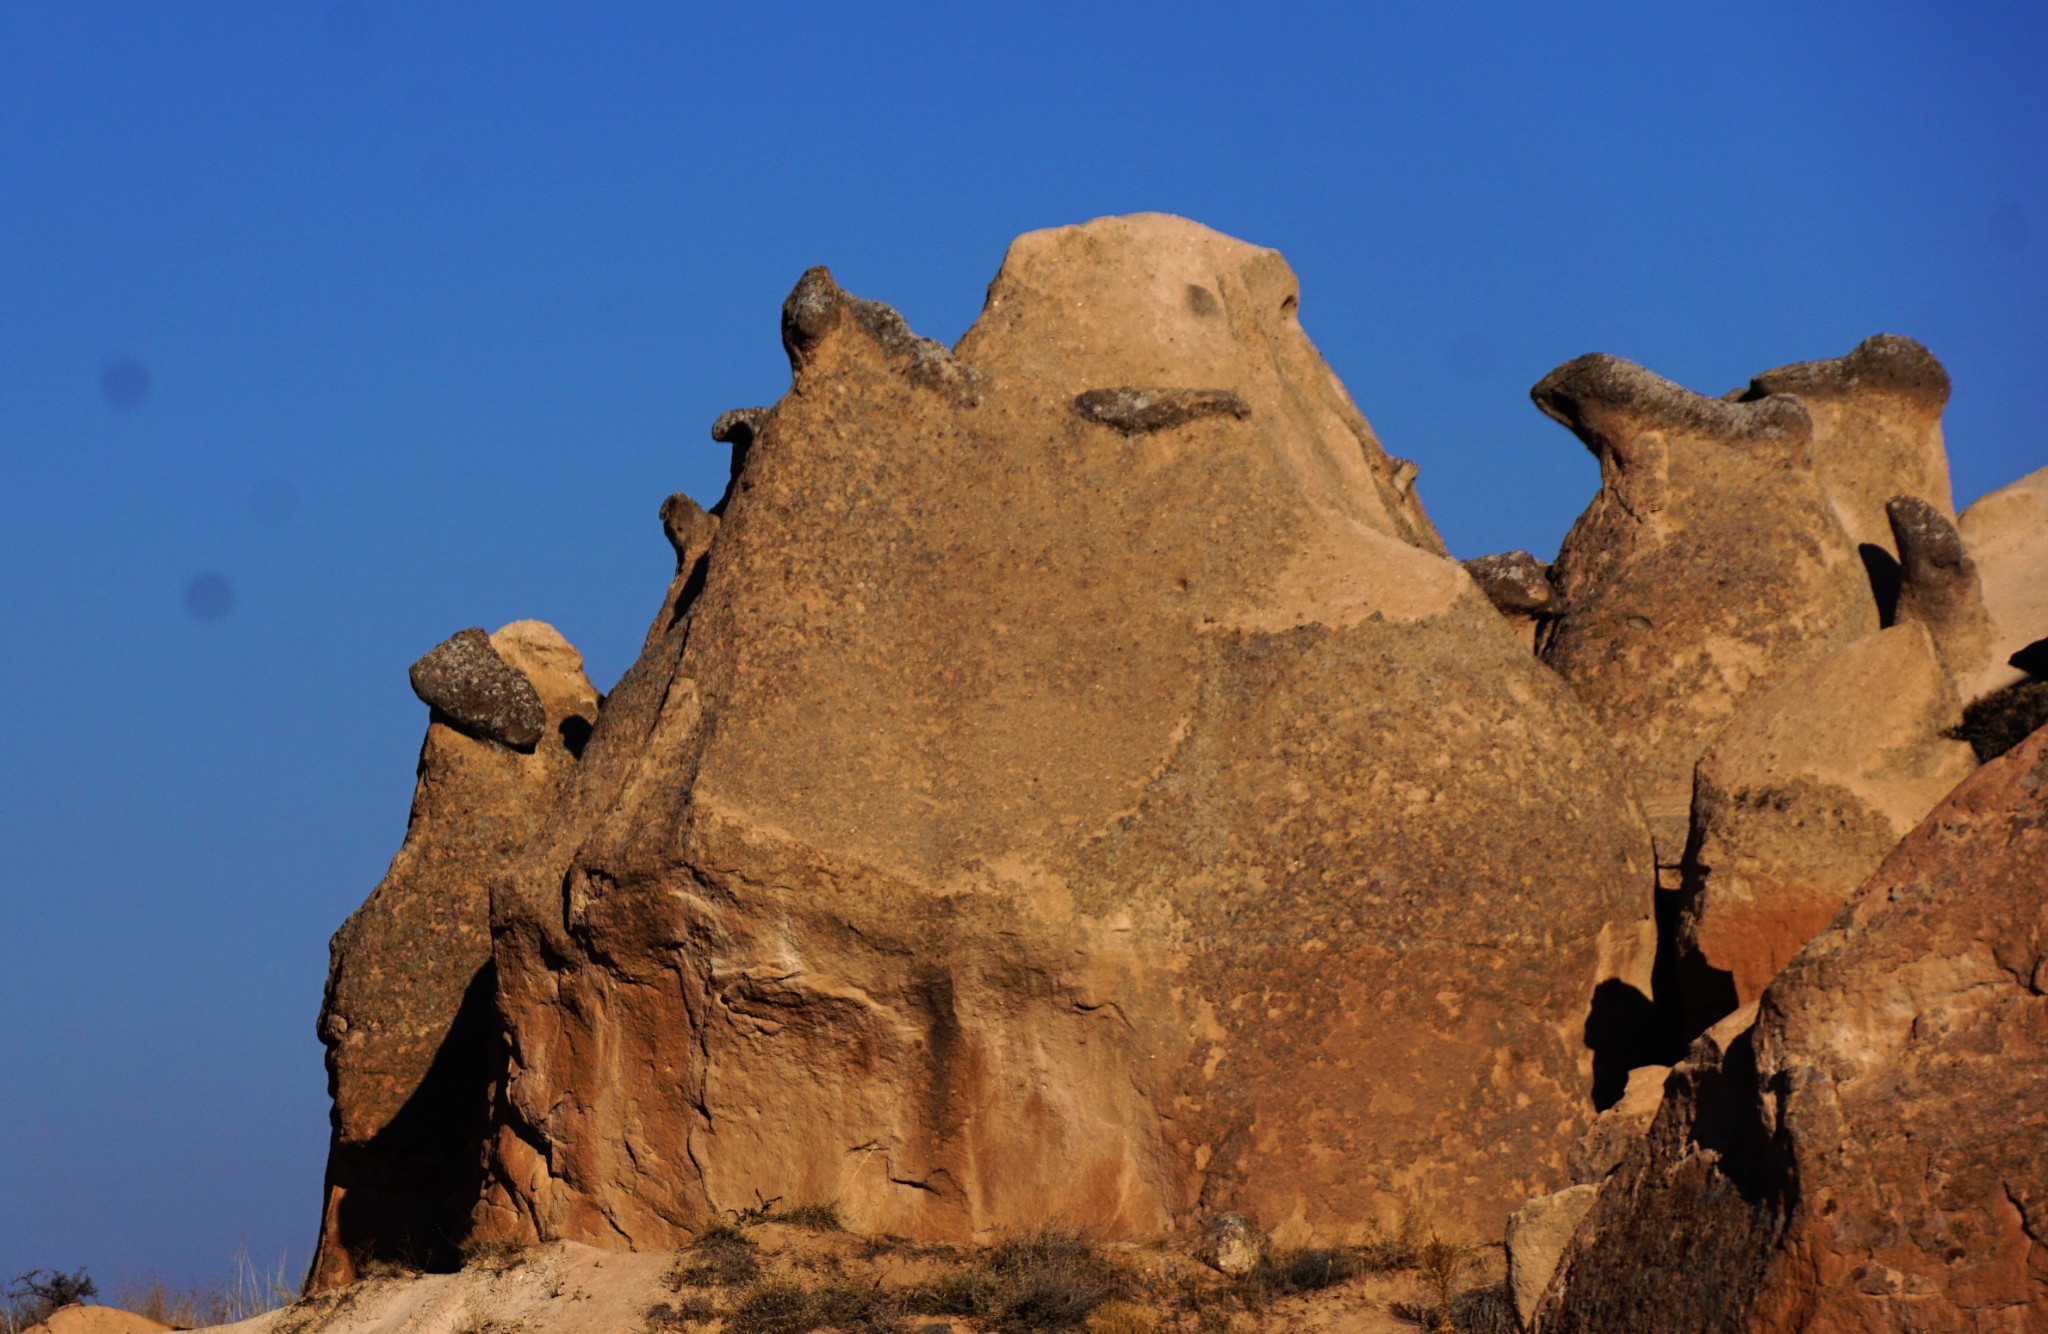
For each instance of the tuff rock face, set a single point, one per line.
(1866, 1154)
(1710, 568)
(1800, 798)
(1876, 430)
(2006, 535)
(1070, 782)
(408, 1020)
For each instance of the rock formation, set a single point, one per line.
(1876, 430)
(1709, 569)
(1867, 1154)
(2006, 535)
(1074, 783)
(1519, 586)
(409, 1021)
(1800, 798)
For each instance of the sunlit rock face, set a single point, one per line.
(1067, 779)
(1866, 1153)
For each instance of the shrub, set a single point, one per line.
(1052, 1279)
(31, 1297)
(721, 1257)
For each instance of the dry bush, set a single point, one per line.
(30, 1298)
(1052, 1279)
(682, 1313)
(493, 1257)
(811, 1217)
(720, 1257)
(774, 1306)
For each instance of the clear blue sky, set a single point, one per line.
(327, 329)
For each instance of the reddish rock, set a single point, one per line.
(1073, 784)
(1868, 1155)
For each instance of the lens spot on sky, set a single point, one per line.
(273, 501)
(209, 596)
(124, 383)
(2008, 228)
(348, 24)
(1473, 356)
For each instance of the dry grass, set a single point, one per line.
(249, 1291)
(721, 1257)
(1053, 1279)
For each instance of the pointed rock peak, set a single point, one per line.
(475, 690)
(818, 311)
(1883, 363)
(1939, 587)
(1605, 400)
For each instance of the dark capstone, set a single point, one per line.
(686, 524)
(1886, 362)
(1516, 582)
(474, 690)
(1578, 393)
(814, 309)
(1136, 411)
(810, 312)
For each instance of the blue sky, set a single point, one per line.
(327, 329)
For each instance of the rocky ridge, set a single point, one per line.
(1067, 779)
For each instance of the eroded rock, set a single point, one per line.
(1867, 1153)
(478, 692)
(2006, 535)
(1008, 827)
(1519, 586)
(408, 1018)
(1876, 429)
(1709, 569)
(1799, 799)
(1232, 1244)
(1939, 587)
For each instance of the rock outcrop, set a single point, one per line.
(1073, 783)
(409, 1018)
(1867, 1154)
(2006, 535)
(1799, 799)
(1709, 569)
(1519, 586)
(1876, 430)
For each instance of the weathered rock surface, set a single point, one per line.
(412, 1046)
(2006, 534)
(82, 1319)
(1939, 587)
(1536, 1239)
(1867, 1155)
(1876, 429)
(1232, 1244)
(1519, 586)
(1799, 799)
(1709, 569)
(476, 691)
(1023, 814)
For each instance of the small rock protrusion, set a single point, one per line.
(1136, 411)
(1516, 582)
(1596, 395)
(1888, 363)
(1232, 1245)
(474, 690)
(810, 311)
(689, 528)
(1938, 584)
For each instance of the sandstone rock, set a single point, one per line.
(82, 1319)
(1876, 429)
(478, 692)
(408, 1017)
(1939, 588)
(1519, 586)
(1617, 1128)
(2006, 534)
(1867, 1155)
(1800, 798)
(1536, 1239)
(1023, 817)
(1709, 569)
(1232, 1244)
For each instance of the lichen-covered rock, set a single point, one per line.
(1232, 1244)
(1518, 585)
(1867, 1154)
(1029, 812)
(2006, 535)
(464, 679)
(412, 1045)
(1876, 429)
(1800, 798)
(1709, 569)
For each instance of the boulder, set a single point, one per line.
(82, 1319)
(1798, 800)
(1519, 586)
(1867, 1153)
(1074, 784)
(2006, 535)
(408, 1019)
(1876, 430)
(471, 688)
(1232, 1245)
(1939, 587)
(1709, 569)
